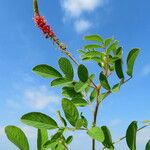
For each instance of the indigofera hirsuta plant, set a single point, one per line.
(87, 91)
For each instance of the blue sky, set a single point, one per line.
(22, 46)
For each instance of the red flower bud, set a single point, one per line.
(41, 23)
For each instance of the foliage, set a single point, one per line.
(85, 91)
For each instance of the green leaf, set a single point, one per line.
(50, 144)
(79, 102)
(85, 122)
(96, 133)
(57, 135)
(131, 135)
(42, 138)
(54, 140)
(95, 38)
(17, 137)
(82, 73)
(69, 92)
(147, 145)
(61, 118)
(80, 86)
(60, 82)
(81, 51)
(118, 69)
(131, 59)
(66, 67)
(93, 95)
(46, 71)
(119, 52)
(116, 87)
(103, 96)
(92, 46)
(79, 123)
(69, 139)
(104, 81)
(108, 139)
(112, 47)
(39, 120)
(108, 41)
(70, 111)
(92, 54)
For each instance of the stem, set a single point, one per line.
(95, 115)
(94, 122)
(122, 138)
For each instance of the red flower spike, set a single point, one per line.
(41, 23)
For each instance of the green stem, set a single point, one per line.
(35, 6)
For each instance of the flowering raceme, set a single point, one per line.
(41, 23)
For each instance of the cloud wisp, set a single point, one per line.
(76, 9)
(82, 25)
(40, 98)
(34, 97)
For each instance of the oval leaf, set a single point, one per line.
(131, 135)
(92, 46)
(112, 47)
(104, 81)
(42, 137)
(118, 69)
(70, 111)
(17, 137)
(108, 139)
(92, 54)
(80, 86)
(96, 133)
(69, 92)
(69, 139)
(116, 87)
(39, 120)
(108, 41)
(131, 59)
(46, 71)
(95, 38)
(79, 102)
(93, 95)
(79, 123)
(66, 67)
(60, 82)
(82, 73)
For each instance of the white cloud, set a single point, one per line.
(82, 25)
(40, 97)
(75, 8)
(33, 97)
(146, 70)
